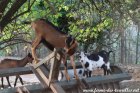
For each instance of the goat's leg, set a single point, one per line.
(8, 81)
(105, 71)
(86, 73)
(73, 65)
(83, 65)
(85, 70)
(34, 46)
(66, 71)
(65, 68)
(21, 81)
(2, 82)
(90, 72)
(16, 81)
(108, 72)
(75, 73)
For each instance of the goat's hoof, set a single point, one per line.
(35, 62)
(76, 77)
(68, 80)
(9, 87)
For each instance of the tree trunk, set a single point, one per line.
(122, 45)
(114, 58)
(137, 42)
(3, 5)
(125, 48)
(129, 48)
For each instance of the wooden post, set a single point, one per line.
(45, 60)
(55, 64)
(42, 73)
(45, 77)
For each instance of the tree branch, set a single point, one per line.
(29, 8)
(14, 8)
(10, 44)
(3, 5)
(14, 40)
(96, 6)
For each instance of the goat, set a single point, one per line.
(12, 63)
(94, 61)
(80, 73)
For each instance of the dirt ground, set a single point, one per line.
(134, 71)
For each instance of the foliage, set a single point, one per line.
(90, 21)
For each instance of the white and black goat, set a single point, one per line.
(94, 61)
(80, 73)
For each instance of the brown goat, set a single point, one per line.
(52, 37)
(12, 63)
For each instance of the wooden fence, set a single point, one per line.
(47, 75)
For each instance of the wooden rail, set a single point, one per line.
(15, 71)
(101, 82)
(27, 70)
(47, 75)
(42, 75)
(111, 81)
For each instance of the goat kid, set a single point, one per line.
(80, 73)
(12, 63)
(94, 61)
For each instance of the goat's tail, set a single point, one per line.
(110, 52)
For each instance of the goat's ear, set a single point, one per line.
(86, 54)
(110, 51)
(29, 55)
(78, 51)
(82, 52)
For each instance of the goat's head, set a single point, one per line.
(82, 56)
(30, 58)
